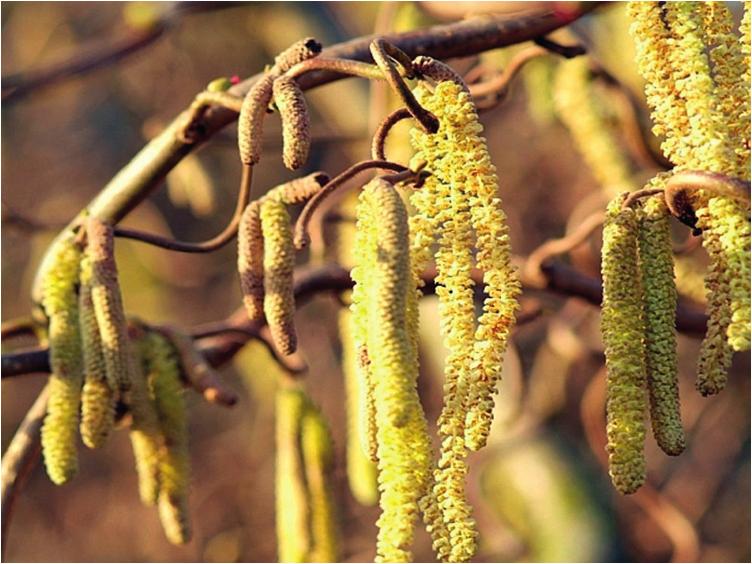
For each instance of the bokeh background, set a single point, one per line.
(540, 491)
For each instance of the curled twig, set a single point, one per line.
(379, 138)
(498, 86)
(630, 200)
(17, 327)
(533, 270)
(301, 227)
(244, 196)
(380, 50)
(566, 51)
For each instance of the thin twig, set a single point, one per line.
(17, 327)
(379, 138)
(301, 227)
(638, 195)
(566, 51)
(498, 86)
(216, 242)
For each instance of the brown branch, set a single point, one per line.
(498, 86)
(17, 327)
(379, 138)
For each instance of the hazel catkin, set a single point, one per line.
(97, 397)
(60, 302)
(659, 310)
(298, 52)
(251, 261)
(293, 111)
(623, 331)
(251, 119)
(279, 263)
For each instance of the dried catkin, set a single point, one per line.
(251, 261)
(166, 391)
(293, 111)
(403, 442)
(97, 397)
(60, 303)
(296, 53)
(291, 494)
(318, 459)
(659, 310)
(279, 262)
(108, 304)
(298, 190)
(582, 111)
(623, 332)
(251, 119)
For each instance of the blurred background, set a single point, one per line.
(540, 490)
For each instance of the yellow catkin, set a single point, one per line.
(97, 397)
(251, 119)
(361, 471)
(403, 442)
(623, 331)
(298, 190)
(108, 304)
(293, 111)
(659, 310)
(279, 263)
(251, 261)
(732, 93)
(166, 392)
(291, 497)
(61, 307)
(318, 458)
(582, 112)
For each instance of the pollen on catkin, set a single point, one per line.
(166, 391)
(279, 263)
(251, 261)
(659, 311)
(318, 459)
(291, 494)
(108, 304)
(293, 111)
(60, 303)
(403, 442)
(97, 397)
(623, 332)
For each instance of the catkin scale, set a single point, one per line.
(279, 263)
(623, 330)
(659, 310)
(293, 111)
(251, 261)
(97, 397)
(59, 429)
(251, 119)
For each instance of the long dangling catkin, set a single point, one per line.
(291, 494)
(251, 119)
(108, 303)
(97, 397)
(61, 307)
(318, 460)
(659, 310)
(403, 442)
(580, 109)
(293, 111)
(251, 261)
(166, 391)
(623, 331)
(279, 262)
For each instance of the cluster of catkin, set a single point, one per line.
(98, 369)
(266, 258)
(456, 210)
(305, 509)
(697, 84)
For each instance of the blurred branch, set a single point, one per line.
(15, 87)
(17, 327)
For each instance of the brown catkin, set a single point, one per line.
(296, 53)
(97, 397)
(251, 261)
(108, 304)
(293, 111)
(279, 262)
(251, 119)
(298, 190)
